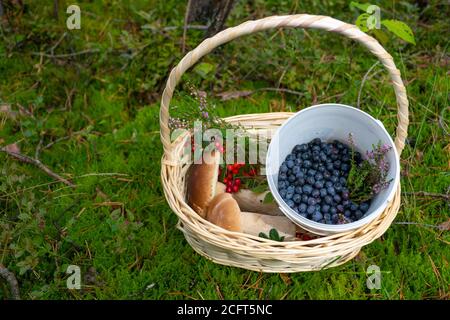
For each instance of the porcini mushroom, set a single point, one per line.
(224, 212)
(202, 182)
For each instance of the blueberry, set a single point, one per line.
(323, 157)
(364, 207)
(297, 148)
(296, 170)
(282, 177)
(298, 161)
(300, 181)
(302, 207)
(312, 172)
(318, 176)
(342, 181)
(311, 209)
(311, 180)
(358, 214)
(297, 198)
(290, 203)
(290, 164)
(290, 157)
(315, 193)
(307, 164)
(340, 208)
(338, 187)
(283, 168)
(337, 198)
(331, 191)
(317, 216)
(336, 173)
(282, 193)
(347, 213)
(328, 184)
(333, 210)
(329, 166)
(326, 175)
(318, 184)
(345, 158)
(304, 214)
(282, 184)
(312, 201)
(300, 173)
(328, 200)
(305, 198)
(289, 195)
(334, 156)
(353, 207)
(305, 156)
(296, 209)
(307, 189)
(335, 218)
(298, 190)
(321, 169)
(316, 141)
(334, 179)
(345, 167)
(323, 192)
(315, 165)
(337, 164)
(327, 216)
(346, 203)
(291, 178)
(325, 208)
(316, 148)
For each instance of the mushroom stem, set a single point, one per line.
(254, 202)
(254, 223)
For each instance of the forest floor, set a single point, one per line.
(85, 103)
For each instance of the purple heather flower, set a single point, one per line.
(386, 147)
(205, 114)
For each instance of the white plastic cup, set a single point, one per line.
(331, 122)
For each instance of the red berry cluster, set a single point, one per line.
(231, 180)
(232, 183)
(303, 236)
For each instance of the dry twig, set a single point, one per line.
(37, 163)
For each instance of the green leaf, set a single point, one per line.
(260, 188)
(381, 36)
(268, 198)
(361, 22)
(400, 29)
(273, 234)
(360, 6)
(263, 235)
(204, 69)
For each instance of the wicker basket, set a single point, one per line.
(250, 252)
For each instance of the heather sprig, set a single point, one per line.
(368, 176)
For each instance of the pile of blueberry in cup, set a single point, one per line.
(312, 181)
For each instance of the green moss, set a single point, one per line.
(112, 96)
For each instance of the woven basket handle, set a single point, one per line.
(302, 21)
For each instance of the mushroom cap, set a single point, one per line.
(202, 181)
(224, 212)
